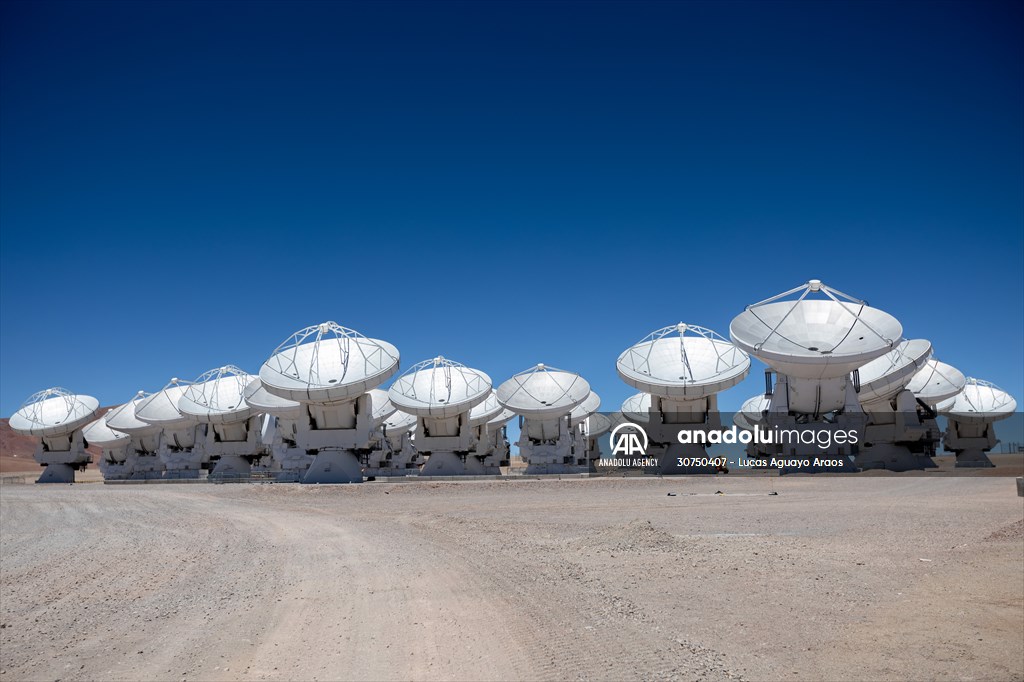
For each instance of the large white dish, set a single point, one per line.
(637, 408)
(218, 397)
(884, 377)
(382, 406)
(543, 392)
(815, 339)
(979, 401)
(261, 400)
(328, 363)
(936, 382)
(439, 388)
(486, 410)
(98, 432)
(589, 406)
(399, 422)
(683, 361)
(53, 412)
(597, 424)
(161, 408)
(123, 418)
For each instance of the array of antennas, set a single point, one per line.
(329, 365)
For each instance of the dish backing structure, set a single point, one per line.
(316, 412)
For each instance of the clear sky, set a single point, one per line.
(184, 184)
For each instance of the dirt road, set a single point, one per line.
(588, 579)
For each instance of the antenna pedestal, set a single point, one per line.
(812, 427)
(393, 455)
(335, 431)
(114, 463)
(334, 466)
(971, 441)
(62, 456)
(142, 465)
(449, 444)
(896, 437)
(492, 448)
(667, 417)
(551, 447)
(231, 448)
(288, 460)
(177, 451)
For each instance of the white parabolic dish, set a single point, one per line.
(218, 396)
(53, 412)
(979, 401)
(814, 339)
(684, 362)
(884, 377)
(486, 410)
(328, 363)
(589, 406)
(637, 408)
(935, 382)
(262, 400)
(382, 407)
(123, 418)
(399, 422)
(500, 419)
(97, 432)
(161, 408)
(439, 388)
(543, 392)
(753, 408)
(597, 424)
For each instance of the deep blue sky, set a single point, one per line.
(183, 185)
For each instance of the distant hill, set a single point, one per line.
(16, 450)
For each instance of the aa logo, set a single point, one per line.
(629, 440)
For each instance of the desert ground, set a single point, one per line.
(832, 578)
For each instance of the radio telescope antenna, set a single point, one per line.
(979, 401)
(680, 369)
(885, 376)
(970, 418)
(217, 396)
(581, 412)
(897, 436)
(440, 388)
(485, 411)
(232, 439)
(114, 445)
(683, 361)
(327, 363)
(279, 431)
(543, 392)
(55, 417)
(637, 408)
(815, 339)
(442, 393)
(331, 370)
(142, 460)
(814, 343)
(179, 433)
(936, 382)
(553, 405)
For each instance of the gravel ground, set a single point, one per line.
(833, 578)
